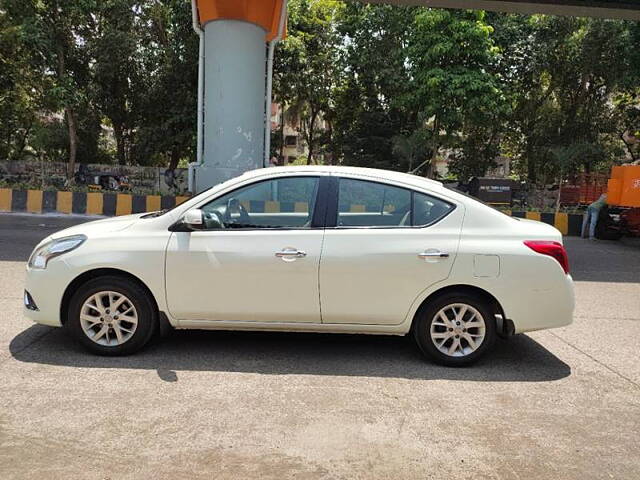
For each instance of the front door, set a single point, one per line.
(388, 245)
(256, 260)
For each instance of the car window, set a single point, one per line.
(278, 203)
(428, 210)
(370, 204)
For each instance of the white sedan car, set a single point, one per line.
(307, 249)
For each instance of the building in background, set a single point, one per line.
(289, 145)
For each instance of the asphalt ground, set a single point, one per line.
(559, 404)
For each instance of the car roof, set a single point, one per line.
(342, 170)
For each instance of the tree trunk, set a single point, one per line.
(73, 142)
(559, 192)
(431, 167)
(282, 136)
(532, 172)
(71, 119)
(435, 147)
(334, 147)
(120, 147)
(629, 148)
(311, 136)
(175, 158)
(310, 145)
(22, 143)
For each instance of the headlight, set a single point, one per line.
(41, 256)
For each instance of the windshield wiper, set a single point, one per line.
(155, 214)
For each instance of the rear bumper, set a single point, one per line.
(543, 308)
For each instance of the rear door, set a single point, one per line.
(384, 244)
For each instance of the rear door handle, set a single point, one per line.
(433, 254)
(291, 253)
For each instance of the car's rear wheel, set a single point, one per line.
(112, 316)
(455, 329)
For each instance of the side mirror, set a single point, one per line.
(194, 219)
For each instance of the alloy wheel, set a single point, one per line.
(458, 330)
(108, 318)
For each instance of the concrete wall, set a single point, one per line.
(39, 174)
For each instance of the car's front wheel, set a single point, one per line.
(455, 329)
(112, 315)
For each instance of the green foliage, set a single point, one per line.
(18, 103)
(451, 55)
(122, 66)
(411, 149)
(372, 85)
(169, 80)
(306, 71)
(116, 85)
(567, 76)
(371, 101)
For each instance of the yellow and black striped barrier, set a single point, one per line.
(112, 204)
(568, 223)
(83, 203)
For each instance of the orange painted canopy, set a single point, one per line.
(264, 13)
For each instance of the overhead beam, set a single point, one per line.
(618, 9)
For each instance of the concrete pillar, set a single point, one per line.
(233, 69)
(234, 99)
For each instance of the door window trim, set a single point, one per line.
(333, 206)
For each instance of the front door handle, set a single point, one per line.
(433, 254)
(291, 253)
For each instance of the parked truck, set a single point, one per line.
(621, 217)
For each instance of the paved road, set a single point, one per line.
(561, 404)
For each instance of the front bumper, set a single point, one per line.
(46, 288)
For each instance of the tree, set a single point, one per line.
(411, 149)
(168, 82)
(451, 54)
(371, 101)
(55, 31)
(115, 76)
(562, 89)
(307, 66)
(626, 121)
(476, 153)
(20, 92)
(371, 85)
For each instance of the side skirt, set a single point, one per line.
(295, 327)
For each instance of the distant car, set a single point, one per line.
(308, 249)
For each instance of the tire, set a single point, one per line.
(429, 320)
(115, 333)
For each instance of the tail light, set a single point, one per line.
(553, 249)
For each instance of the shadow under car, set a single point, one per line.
(519, 359)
